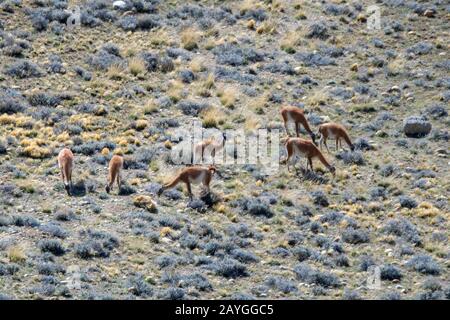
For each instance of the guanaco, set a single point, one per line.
(334, 131)
(297, 147)
(296, 115)
(194, 175)
(208, 147)
(115, 166)
(65, 164)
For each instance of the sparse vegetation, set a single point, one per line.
(129, 80)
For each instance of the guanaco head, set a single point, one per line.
(332, 170)
(108, 189)
(212, 168)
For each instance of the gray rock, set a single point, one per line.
(119, 5)
(416, 127)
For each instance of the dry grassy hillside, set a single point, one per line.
(126, 79)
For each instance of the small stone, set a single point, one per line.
(119, 5)
(354, 67)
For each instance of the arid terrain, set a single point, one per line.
(127, 78)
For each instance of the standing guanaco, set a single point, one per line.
(296, 115)
(115, 166)
(334, 131)
(194, 175)
(65, 164)
(208, 148)
(297, 147)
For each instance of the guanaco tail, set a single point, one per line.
(296, 115)
(297, 147)
(192, 175)
(334, 131)
(207, 149)
(115, 166)
(65, 164)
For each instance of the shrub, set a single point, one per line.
(8, 269)
(25, 221)
(187, 76)
(91, 249)
(126, 190)
(407, 202)
(49, 268)
(424, 264)
(23, 69)
(243, 256)
(318, 30)
(166, 261)
(10, 105)
(139, 287)
(44, 99)
(230, 268)
(191, 108)
(390, 272)
(103, 60)
(353, 236)
(350, 157)
(233, 55)
(324, 279)
(147, 22)
(319, 198)
(391, 296)
(54, 230)
(53, 246)
(281, 284)
(365, 262)
(351, 295)
(172, 294)
(83, 73)
(404, 229)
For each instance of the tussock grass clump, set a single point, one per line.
(190, 38)
(228, 97)
(136, 66)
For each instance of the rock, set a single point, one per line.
(416, 127)
(119, 5)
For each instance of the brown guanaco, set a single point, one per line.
(334, 131)
(192, 175)
(296, 115)
(208, 148)
(297, 147)
(115, 166)
(65, 164)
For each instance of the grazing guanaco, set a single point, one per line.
(334, 131)
(115, 166)
(208, 147)
(192, 175)
(65, 164)
(297, 147)
(296, 115)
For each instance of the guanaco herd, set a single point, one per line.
(296, 147)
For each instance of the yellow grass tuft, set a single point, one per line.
(228, 97)
(136, 66)
(190, 38)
